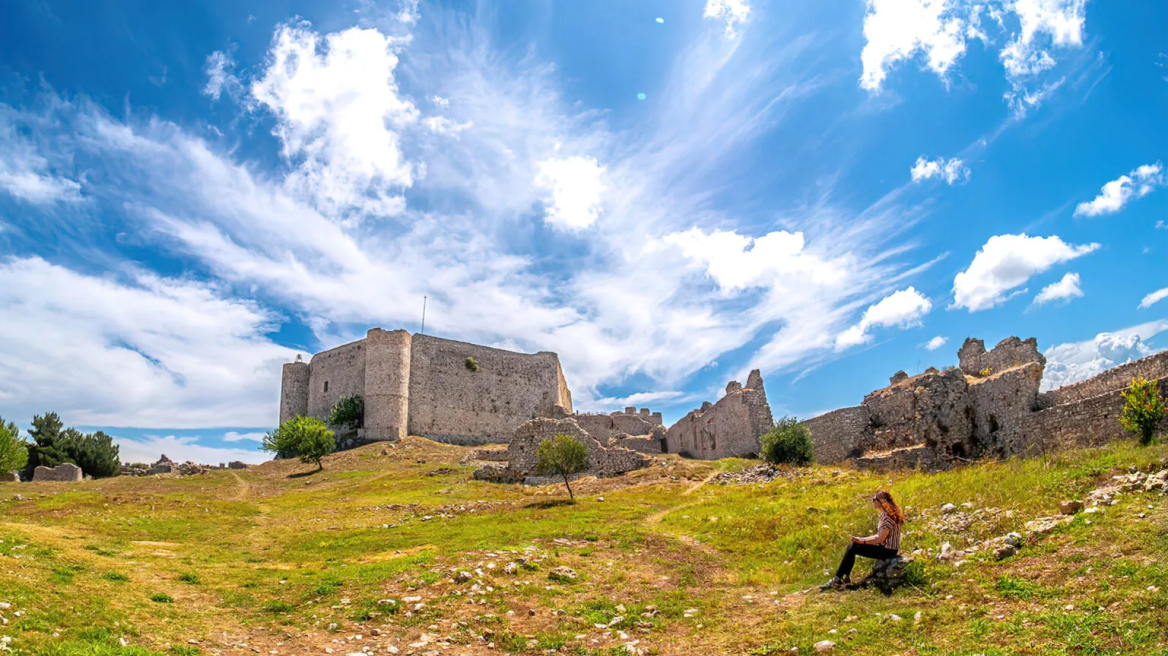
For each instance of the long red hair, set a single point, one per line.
(884, 499)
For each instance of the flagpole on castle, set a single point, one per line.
(423, 332)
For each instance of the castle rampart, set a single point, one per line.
(990, 406)
(729, 428)
(422, 385)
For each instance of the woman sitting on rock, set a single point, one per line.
(882, 546)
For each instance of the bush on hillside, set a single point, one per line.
(562, 455)
(349, 412)
(13, 448)
(53, 444)
(305, 437)
(1143, 409)
(789, 442)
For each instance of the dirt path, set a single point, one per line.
(243, 490)
(655, 518)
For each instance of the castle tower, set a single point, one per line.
(387, 384)
(294, 390)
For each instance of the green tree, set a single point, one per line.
(95, 453)
(562, 455)
(306, 437)
(13, 448)
(349, 412)
(789, 442)
(1143, 409)
(48, 446)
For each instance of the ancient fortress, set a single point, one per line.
(990, 405)
(421, 385)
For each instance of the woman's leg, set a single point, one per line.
(876, 551)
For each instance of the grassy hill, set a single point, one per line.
(366, 556)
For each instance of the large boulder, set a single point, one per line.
(64, 472)
(9, 477)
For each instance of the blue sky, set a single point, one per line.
(668, 194)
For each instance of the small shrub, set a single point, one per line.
(562, 455)
(472, 364)
(985, 373)
(305, 437)
(185, 650)
(277, 606)
(1143, 409)
(162, 598)
(349, 412)
(789, 442)
(189, 577)
(114, 576)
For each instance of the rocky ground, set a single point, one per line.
(396, 550)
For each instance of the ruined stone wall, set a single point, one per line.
(603, 459)
(1001, 405)
(342, 371)
(9, 477)
(837, 434)
(294, 385)
(1010, 352)
(450, 402)
(729, 428)
(1086, 423)
(619, 423)
(930, 409)
(1153, 367)
(64, 472)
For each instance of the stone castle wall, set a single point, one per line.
(421, 385)
(604, 459)
(937, 419)
(450, 402)
(729, 428)
(1153, 367)
(67, 472)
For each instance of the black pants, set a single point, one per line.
(874, 551)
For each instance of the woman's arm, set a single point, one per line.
(879, 538)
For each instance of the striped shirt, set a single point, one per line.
(893, 540)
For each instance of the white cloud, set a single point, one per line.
(1063, 290)
(902, 30)
(733, 12)
(146, 351)
(936, 343)
(1153, 298)
(182, 449)
(1075, 362)
(445, 126)
(897, 30)
(232, 436)
(903, 308)
(220, 76)
(1006, 262)
(1115, 194)
(576, 188)
(736, 262)
(27, 175)
(951, 171)
(339, 113)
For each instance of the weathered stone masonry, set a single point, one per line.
(421, 385)
(605, 457)
(991, 405)
(730, 428)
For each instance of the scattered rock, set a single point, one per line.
(1005, 552)
(824, 647)
(565, 574)
(948, 508)
(1070, 507)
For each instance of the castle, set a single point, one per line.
(421, 385)
(990, 405)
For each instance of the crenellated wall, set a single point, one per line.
(729, 428)
(1153, 367)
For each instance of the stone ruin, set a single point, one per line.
(990, 405)
(165, 465)
(9, 477)
(729, 428)
(67, 472)
(606, 456)
(641, 431)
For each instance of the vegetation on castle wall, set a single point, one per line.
(472, 364)
(305, 437)
(349, 412)
(1143, 409)
(789, 442)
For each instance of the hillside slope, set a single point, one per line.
(394, 549)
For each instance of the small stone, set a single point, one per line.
(1070, 507)
(463, 577)
(1005, 552)
(566, 574)
(824, 647)
(948, 508)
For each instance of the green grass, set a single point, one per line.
(718, 569)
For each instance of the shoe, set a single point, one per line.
(834, 584)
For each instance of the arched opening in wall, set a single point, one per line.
(957, 450)
(994, 427)
(664, 446)
(326, 385)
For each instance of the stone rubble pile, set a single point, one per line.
(165, 465)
